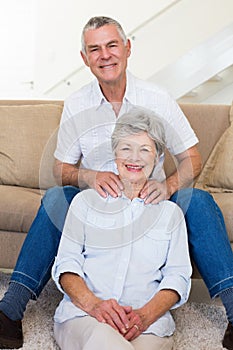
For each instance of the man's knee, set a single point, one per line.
(56, 202)
(59, 193)
(192, 199)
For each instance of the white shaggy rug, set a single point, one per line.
(198, 326)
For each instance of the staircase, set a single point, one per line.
(184, 45)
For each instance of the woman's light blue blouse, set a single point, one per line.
(124, 250)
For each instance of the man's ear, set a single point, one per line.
(84, 57)
(128, 45)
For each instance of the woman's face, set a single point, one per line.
(135, 157)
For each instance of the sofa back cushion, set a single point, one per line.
(217, 174)
(209, 123)
(28, 136)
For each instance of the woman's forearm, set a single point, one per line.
(75, 287)
(106, 311)
(157, 306)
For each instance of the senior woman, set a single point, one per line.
(121, 264)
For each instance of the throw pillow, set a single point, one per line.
(217, 174)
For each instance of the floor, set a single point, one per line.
(199, 293)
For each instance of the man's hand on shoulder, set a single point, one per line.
(154, 192)
(105, 182)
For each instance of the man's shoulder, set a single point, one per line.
(82, 99)
(80, 93)
(148, 86)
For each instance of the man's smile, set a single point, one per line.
(108, 66)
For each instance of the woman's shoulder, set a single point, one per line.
(88, 197)
(167, 210)
(86, 194)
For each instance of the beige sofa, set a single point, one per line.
(27, 141)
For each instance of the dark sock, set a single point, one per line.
(15, 300)
(227, 300)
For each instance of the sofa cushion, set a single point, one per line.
(217, 174)
(27, 143)
(18, 207)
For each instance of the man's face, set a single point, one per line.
(106, 54)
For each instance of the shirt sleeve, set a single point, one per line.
(68, 148)
(178, 132)
(69, 257)
(177, 269)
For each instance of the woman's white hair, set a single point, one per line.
(139, 120)
(98, 22)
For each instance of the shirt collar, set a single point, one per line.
(130, 92)
(123, 196)
(98, 95)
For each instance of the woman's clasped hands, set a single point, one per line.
(122, 318)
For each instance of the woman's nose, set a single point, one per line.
(135, 155)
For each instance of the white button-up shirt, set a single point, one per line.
(88, 121)
(124, 250)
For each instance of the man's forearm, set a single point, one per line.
(69, 174)
(187, 170)
(104, 182)
(183, 177)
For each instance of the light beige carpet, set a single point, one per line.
(199, 326)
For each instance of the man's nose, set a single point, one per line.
(105, 53)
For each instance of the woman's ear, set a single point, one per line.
(116, 168)
(156, 160)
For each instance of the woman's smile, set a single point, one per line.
(134, 168)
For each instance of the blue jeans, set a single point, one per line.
(209, 245)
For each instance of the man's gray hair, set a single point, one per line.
(98, 22)
(137, 120)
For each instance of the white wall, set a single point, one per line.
(17, 38)
(40, 39)
(177, 31)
